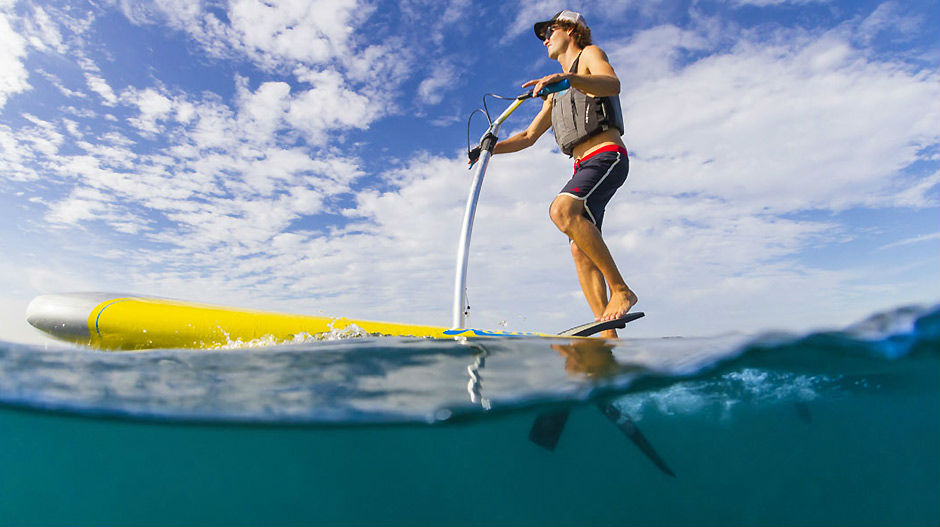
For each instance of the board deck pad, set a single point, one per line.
(591, 328)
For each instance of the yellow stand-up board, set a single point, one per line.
(122, 322)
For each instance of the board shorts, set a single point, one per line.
(596, 178)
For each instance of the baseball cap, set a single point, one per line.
(564, 15)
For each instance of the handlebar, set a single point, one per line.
(561, 85)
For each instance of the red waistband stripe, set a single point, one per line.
(605, 148)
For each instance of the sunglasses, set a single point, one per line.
(548, 32)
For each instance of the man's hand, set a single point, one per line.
(538, 84)
(474, 155)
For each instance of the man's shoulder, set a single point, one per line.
(593, 56)
(594, 50)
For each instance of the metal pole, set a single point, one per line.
(461, 309)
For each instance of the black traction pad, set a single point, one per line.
(586, 330)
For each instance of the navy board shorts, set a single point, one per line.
(597, 176)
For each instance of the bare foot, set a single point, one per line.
(619, 305)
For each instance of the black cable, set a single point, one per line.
(486, 113)
(468, 124)
(495, 97)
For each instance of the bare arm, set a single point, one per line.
(599, 78)
(527, 137)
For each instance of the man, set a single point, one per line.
(587, 124)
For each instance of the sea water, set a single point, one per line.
(831, 428)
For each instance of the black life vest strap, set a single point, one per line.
(574, 65)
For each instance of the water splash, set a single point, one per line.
(349, 376)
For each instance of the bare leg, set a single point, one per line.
(593, 285)
(568, 214)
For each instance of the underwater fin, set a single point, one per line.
(547, 428)
(629, 429)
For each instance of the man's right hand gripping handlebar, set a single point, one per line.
(561, 85)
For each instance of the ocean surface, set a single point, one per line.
(826, 428)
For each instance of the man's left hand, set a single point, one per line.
(474, 155)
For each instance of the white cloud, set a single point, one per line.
(96, 82)
(83, 204)
(354, 76)
(177, 13)
(910, 241)
(226, 181)
(42, 32)
(43, 136)
(380, 68)
(13, 166)
(13, 75)
(814, 125)
(295, 30)
(890, 18)
(329, 105)
(101, 87)
(272, 34)
(263, 111)
(654, 53)
(153, 107)
(442, 79)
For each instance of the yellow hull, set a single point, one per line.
(136, 323)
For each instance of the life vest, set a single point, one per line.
(577, 115)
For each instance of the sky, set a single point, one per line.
(310, 157)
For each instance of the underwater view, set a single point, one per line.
(824, 428)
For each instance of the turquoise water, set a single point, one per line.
(836, 428)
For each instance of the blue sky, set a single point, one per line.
(309, 157)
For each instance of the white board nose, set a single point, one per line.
(65, 315)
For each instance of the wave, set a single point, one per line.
(396, 380)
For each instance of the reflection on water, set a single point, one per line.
(425, 380)
(788, 430)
